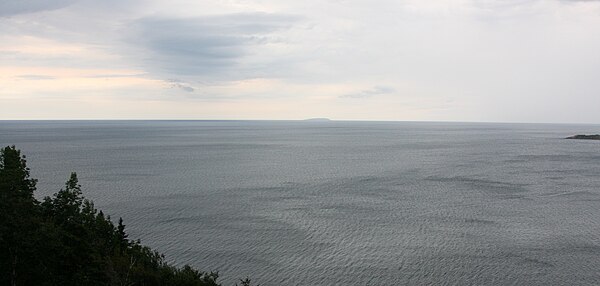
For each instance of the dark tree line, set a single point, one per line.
(65, 240)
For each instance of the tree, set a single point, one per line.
(66, 205)
(121, 237)
(245, 282)
(85, 237)
(17, 217)
(65, 240)
(14, 175)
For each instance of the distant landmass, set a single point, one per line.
(318, 119)
(586, 137)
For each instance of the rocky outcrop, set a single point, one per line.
(586, 137)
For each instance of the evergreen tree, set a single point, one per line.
(18, 224)
(65, 240)
(121, 237)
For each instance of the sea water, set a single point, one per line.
(339, 203)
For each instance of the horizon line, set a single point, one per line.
(310, 120)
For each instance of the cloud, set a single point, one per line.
(498, 59)
(12, 7)
(182, 86)
(377, 90)
(36, 77)
(116, 75)
(202, 46)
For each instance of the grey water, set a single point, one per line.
(340, 203)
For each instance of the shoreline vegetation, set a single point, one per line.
(65, 240)
(585, 137)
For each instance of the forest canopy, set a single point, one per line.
(65, 240)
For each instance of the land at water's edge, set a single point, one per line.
(585, 137)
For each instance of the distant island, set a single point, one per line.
(318, 120)
(585, 137)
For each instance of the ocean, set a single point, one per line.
(339, 203)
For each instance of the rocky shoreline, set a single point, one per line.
(585, 137)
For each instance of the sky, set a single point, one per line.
(415, 60)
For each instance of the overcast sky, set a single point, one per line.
(450, 60)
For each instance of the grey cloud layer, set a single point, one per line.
(14, 7)
(203, 45)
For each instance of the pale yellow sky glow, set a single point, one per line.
(507, 61)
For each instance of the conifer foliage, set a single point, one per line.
(65, 240)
